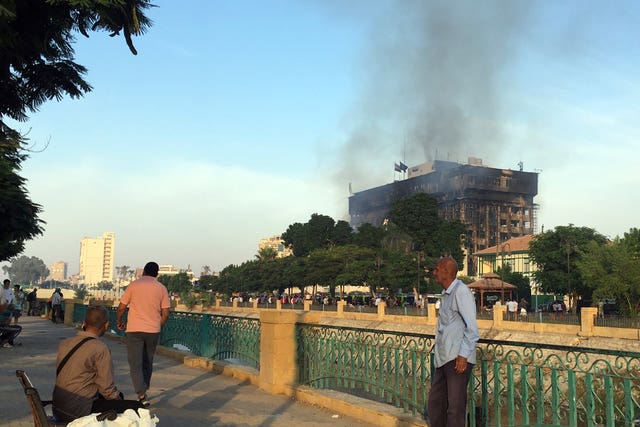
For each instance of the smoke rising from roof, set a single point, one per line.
(431, 86)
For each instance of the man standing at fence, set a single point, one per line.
(148, 302)
(455, 349)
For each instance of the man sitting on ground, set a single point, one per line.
(84, 379)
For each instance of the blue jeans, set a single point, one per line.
(141, 346)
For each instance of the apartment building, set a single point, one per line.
(97, 258)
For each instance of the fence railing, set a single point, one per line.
(512, 383)
(215, 336)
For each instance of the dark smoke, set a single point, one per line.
(432, 84)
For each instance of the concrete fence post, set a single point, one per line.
(278, 359)
(498, 315)
(340, 308)
(255, 303)
(588, 320)
(431, 314)
(218, 302)
(307, 305)
(382, 305)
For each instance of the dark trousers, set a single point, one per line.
(9, 332)
(447, 405)
(141, 347)
(103, 405)
(57, 313)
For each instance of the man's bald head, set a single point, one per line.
(96, 317)
(446, 271)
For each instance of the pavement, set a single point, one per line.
(180, 395)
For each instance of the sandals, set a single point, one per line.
(144, 401)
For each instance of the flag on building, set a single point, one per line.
(403, 167)
(397, 167)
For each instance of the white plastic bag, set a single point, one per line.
(128, 418)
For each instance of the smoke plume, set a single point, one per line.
(432, 82)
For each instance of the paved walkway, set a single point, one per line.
(180, 395)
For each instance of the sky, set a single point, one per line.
(237, 119)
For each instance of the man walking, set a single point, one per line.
(148, 302)
(455, 349)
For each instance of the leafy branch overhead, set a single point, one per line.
(37, 64)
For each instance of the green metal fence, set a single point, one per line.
(214, 336)
(513, 383)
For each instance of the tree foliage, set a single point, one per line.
(178, 283)
(25, 270)
(418, 216)
(557, 253)
(37, 64)
(613, 271)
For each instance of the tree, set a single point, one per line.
(26, 270)
(319, 232)
(123, 272)
(521, 282)
(556, 254)
(82, 292)
(613, 271)
(417, 215)
(368, 236)
(37, 65)
(104, 285)
(266, 254)
(177, 283)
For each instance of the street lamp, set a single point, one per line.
(502, 253)
(571, 296)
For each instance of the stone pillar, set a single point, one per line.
(278, 304)
(498, 315)
(218, 302)
(255, 303)
(278, 359)
(588, 320)
(431, 314)
(340, 308)
(69, 307)
(307, 304)
(382, 305)
(234, 303)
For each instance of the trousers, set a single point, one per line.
(141, 347)
(447, 404)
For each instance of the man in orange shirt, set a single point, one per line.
(148, 302)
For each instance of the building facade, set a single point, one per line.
(277, 244)
(97, 259)
(494, 204)
(58, 271)
(513, 252)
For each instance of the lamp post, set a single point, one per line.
(572, 300)
(502, 254)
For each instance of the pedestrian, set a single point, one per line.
(148, 303)
(18, 301)
(455, 349)
(32, 300)
(8, 332)
(56, 306)
(84, 372)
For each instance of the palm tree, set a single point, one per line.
(266, 254)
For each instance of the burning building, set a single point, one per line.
(494, 204)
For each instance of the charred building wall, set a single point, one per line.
(494, 204)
